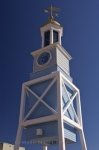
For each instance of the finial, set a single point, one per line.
(53, 11)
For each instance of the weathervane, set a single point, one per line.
(53, 11)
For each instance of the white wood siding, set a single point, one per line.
(62, 61)
(70, 135)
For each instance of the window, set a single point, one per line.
(55, 36)
(47, 38)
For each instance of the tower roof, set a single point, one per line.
(52, 21)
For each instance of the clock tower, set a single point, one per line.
(50, 110)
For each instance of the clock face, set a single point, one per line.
(44, 58)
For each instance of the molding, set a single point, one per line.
(52, 46)
(50, 25)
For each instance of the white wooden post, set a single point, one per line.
(60, 114)
(42, 40)
(59, 37)
(20, 128)
(81, 132)
(82, 138)
(45, 147)
(51, 36)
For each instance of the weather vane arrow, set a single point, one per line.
(53, 11)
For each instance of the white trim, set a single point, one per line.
(69, 83)
(71, 122)
(49, 26)
(45, 147)
(51, 36)
(82, 138)
(79, 112)
(42, 35)
(40, 120)
(52, 46)
(41, 79)
(60, 114)
(22, 109)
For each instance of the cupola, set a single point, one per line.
(51, 31)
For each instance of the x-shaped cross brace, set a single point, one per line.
(69, 103)
(40, 99)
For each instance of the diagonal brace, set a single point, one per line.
(40, 99)
(70, 100)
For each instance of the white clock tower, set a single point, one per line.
(50, 109)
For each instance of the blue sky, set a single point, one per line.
(20, 22)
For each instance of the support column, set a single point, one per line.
(82, 138)
(59, 37)
(42, 40)
(60, 114)
(18, 138)
(20, 128)
(81, 132)
(51, 36)
(45, 147)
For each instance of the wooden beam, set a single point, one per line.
(72, 123)
(40, 120)
(41, 79)
(69, 83)
(62, 145)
